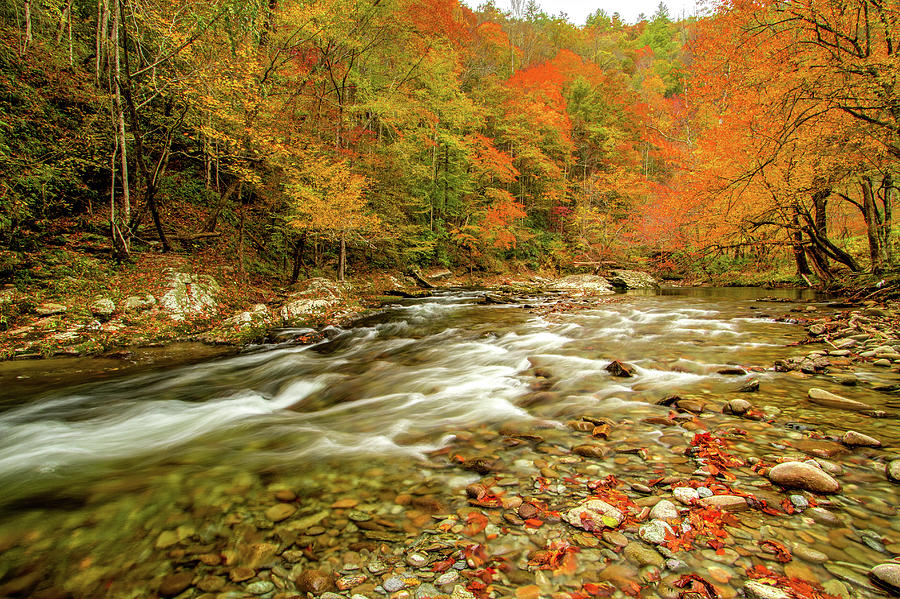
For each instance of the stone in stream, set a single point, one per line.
(620, 369)
(855, 439)
(593, 514)
(175, 584)
(664, 510)
(686, 494)
(751, 386)
(590, 451)
(642, 555)
(315, 582)
(830, 400)
(887, 576)
(738, 407)
(799, 475)
(757, 590)
(280, 511)
(103, 308)
(726, 503)
(654, 532)
(892, 471)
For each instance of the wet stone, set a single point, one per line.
(887, 576)
(642, 555)
(654, 532)
(758, 590)
(315, 582)
(447, 578)
(260, 587)
(892, 471)
(856, 439)
(175, 584)
(281, 511)
(241, 574)
(799, 475)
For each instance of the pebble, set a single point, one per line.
(758, 590)
(664, 510)
(654, 532)
(799, 501)
(855, 439)
(280, 511)
(800, 475)
(260, 587)
(315, 582)
(685, 494)
(393, 584)
(643, 556)
(887, 576)
(704, 492)
(175, 584)
(726, 503)
(350, 581)
(446, 578)
(416, 560)
(892, 471)
(593, 513)
(825, 398)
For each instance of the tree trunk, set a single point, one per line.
(27, 37)
(299, 248)
(872, 218)
(797, 246)
(343, 260)
(887, 187)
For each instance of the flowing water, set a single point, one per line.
(108, 487)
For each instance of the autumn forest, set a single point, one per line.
(299, 134)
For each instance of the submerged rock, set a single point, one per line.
(315, 582)
(800, 475)
(830, 400)
(758, 590)
(594, 514)
(738, 407)
(892, 471)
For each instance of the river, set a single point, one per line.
(233, 476)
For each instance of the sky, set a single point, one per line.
(578, 10)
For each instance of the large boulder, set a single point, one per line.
(317, 297)
(190, 295)
(632, 279)
(584, 285)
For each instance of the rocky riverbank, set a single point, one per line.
(192, 306)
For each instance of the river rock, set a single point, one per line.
(584, 285)
(632, 279)
(643, 556)
(590, 451)
(49, 309)
(799, 475)
(593, 514)
(830, 400)
(447, 578)
(892, 471)
(855, 439)
(175, 584)
(103, 308)
(751, 386)
(757, 590)
(189, 295)
(685, 494)
(136, 303)
(654, 532)
(280, 511)
(260, 587)
(620, 369)
(738, 407)
(315, 582)
(887, 576)
(726, 503)
(664, 510)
